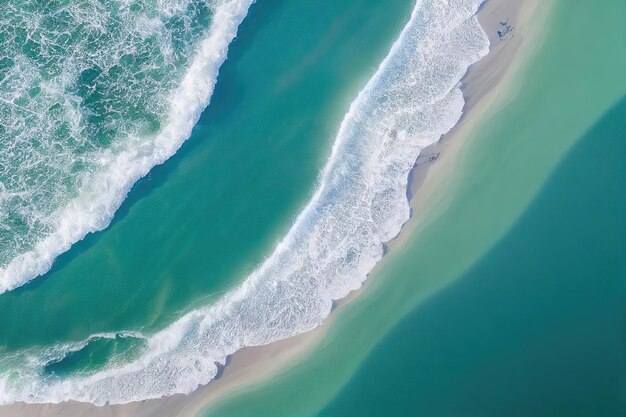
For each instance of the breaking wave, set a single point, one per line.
(91, 98)
(409, 103)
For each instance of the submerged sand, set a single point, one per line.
(485, 85)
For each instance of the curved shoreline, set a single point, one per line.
(411, 100)
(255, 364)
(95, 205)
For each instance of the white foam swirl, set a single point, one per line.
(120, 166)
(412, 99)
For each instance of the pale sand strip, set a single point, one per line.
(487, 83)
(487, 86)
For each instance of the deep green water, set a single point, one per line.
(209, 215)
(510, 299)
(200, 223)
(537, 327)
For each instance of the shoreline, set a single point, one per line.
(482, 86)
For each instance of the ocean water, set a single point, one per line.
(537, 324)
(191, 234)
(378, 140)
(509, 298)
(190, 269)
(93, 96)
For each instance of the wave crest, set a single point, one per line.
(86, 135)
(412, 99)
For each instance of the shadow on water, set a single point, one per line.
(226, 92)
(537, 326)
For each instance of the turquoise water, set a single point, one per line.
(537, 325)
(155, 252)
(92, 98)
(173, 242)
(463, 318)
(86, 283)
(96, 355)
(203, 221)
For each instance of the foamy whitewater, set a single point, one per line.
(412, 99)
(91, 98)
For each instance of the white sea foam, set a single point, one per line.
(120, 166)
(412, 99)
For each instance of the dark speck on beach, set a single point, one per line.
(506, 30)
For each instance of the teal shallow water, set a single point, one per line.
(360, 202)
(207, 217)
(188, 232)
(536, 327)
(77, 80)
(531, 238)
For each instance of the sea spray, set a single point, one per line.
(411, 100)
(92, 96)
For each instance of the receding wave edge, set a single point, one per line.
(409, 103)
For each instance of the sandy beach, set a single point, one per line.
(486, 86)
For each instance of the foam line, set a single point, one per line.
(409, 103)
(117, 168)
